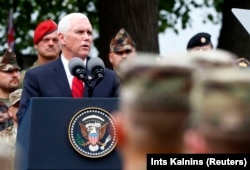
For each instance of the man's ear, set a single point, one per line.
(195, 142)
(61, 38)
(110, 58)
(35, 46)
(119, 127)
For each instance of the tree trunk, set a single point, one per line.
(138, 17)
(233, 36)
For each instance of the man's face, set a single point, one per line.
(202, 48)
(116, 58)
(77, 41)
(48, 47)
(10, 80)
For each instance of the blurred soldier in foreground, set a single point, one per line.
(122, 47)
(243, 62)
(154, 107)
(221, 112)
(200, 42)
(213, 59)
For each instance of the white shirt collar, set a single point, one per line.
(66, 68)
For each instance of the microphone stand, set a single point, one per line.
(88, 82)
(90, 88)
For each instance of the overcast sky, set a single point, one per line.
(170, 42)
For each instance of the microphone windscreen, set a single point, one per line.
(95, 62)
(74, 63)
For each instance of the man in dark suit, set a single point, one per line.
(75, 35)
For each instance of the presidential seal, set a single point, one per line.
(92, 132)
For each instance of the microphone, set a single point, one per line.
(96, 67)
(77, 68)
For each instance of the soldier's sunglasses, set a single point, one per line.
(123, 52)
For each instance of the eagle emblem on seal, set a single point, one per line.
(92, 132)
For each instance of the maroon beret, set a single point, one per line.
(44, 28)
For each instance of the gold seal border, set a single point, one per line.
(114, 131)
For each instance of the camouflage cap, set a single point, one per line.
(152, 84)
(8, 61)
(220, 101)
(213, 58)
(121, 42)
(15, 96)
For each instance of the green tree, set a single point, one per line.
(28, 13)
(144, 19)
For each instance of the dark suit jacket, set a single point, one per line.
(50, 80)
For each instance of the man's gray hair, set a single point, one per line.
(64, 23)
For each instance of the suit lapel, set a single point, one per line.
(60, 77)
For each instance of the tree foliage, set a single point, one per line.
(27, 14)
(174, 11)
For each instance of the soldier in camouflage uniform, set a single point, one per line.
(154, 106)
(9, 81)
(14, 99)
(8, 135)
(122, 47)
(8, 140)
(220, 122)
